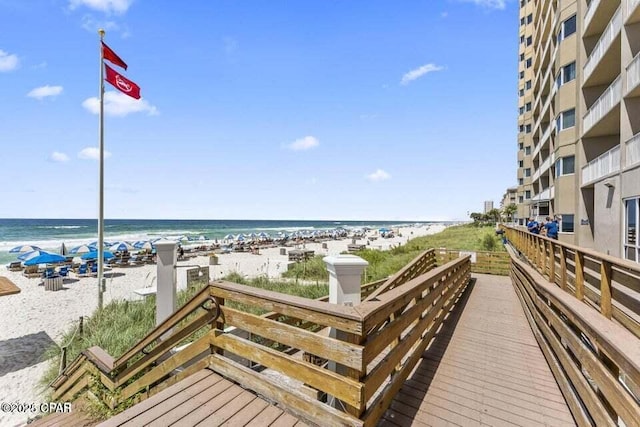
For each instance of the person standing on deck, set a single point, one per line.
(533, 226)
(552, 228)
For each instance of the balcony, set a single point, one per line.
(544, 166)
(632, 12)
(604, 43)
(545, 194)
(601, 166)
(601, 108)
(633, 151)
(633, 76)
(591, 10)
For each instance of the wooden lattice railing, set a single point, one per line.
(297, 353)
(577, 303)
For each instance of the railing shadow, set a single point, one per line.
(410, 396)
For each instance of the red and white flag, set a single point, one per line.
(111, 56)
(121, 83)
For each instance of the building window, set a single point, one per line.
(528, 63)
(528, 128)
(567, 28)
(566, 224)
(630, 242)
(522, 57)
(529, 41)
(521, 129)
(527, 194)
(566, 119)
(527, 172)
(565, 165)
(521, 39)
(522, 74)
(527, 150)
(567, 73)
(521, 110)
(521, 93)
(527, 106)
(530, 18)
(520, 181)
(520, 199)
(527, 85)
(520, 163)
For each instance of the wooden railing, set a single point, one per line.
(497, 263)
(297, 353)
(595, 360)
(609, 284)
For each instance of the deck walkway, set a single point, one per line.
(483, 368)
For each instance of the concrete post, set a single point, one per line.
(166, 280)
(345, 272)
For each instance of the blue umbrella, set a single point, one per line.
(121, 247)
(83, 249)
(229, 237)
(45, 258)
(143, 244)
(31, 254)
(24, 248)
(94, 255)
(95, 244)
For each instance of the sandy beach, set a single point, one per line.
(35, 319)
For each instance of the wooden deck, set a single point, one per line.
(206, 399)
(483, 368)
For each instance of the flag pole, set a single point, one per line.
(101, 284)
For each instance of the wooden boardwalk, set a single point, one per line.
(483, 368)
(206, 399)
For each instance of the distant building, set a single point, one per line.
(488, 205)
(510, 197)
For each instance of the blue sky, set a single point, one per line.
(313, 109)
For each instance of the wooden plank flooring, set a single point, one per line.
(484, 368)
(203, 399)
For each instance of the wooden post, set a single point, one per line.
(63, 360)
(563, 268)
(605, 288)
(552, 262)
(579, 275)
(80, 326)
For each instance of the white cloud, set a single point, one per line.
(45, 91)
(107, 6)
(119, 105)
(489, 4)
(419, 72)
(378, 175)
(8, 62)
(92, 25)
(306, 143)
(59, 157)
(92, 153)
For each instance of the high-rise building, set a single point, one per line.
(579, 120)
(488, 205)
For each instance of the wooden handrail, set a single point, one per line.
(419, 265)
(579, 339)
(193, 304)
(606, 274)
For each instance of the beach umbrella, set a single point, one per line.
(240, 238)
(95, 244)
(32, 254)
(264, 235)
(143, 244)
(45, 258)
(94, 255)
(202, 238)
(121, 247)
(82, 249)
(229, 237)
(63, 249)
(384, 230)
(23, 249)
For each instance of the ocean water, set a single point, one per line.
(49, 234)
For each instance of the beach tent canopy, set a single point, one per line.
(23, 249)
(45, 258)
(94, 255)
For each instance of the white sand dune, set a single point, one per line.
(34, 318)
